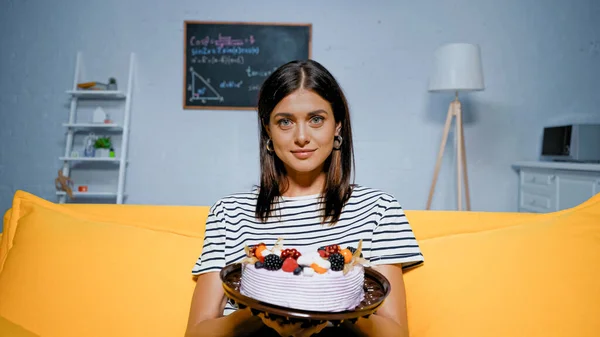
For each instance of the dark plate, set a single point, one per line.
(376, 287)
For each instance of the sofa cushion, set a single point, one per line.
(182, 219)
(71, 274)
(539, 278)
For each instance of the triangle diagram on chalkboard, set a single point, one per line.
(201, 90)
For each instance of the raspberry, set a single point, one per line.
(333, 249)
(337, 261)
(293, 253)
(273, 262)
(325, 251)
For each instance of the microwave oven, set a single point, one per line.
(572, 142)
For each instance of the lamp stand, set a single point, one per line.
(454, 110)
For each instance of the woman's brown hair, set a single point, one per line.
(309, 75)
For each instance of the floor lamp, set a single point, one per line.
(456, 68)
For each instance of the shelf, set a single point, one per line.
(97, 94)
(98, 159)
(90, 194)
(93, 126)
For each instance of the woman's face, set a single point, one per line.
(302, 128)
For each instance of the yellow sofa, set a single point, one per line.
(124, 270)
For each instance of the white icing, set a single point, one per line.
(331, 292)
(321, 262)
(305, 260)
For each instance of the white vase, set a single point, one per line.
(102, 153)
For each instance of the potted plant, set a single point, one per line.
(102, 146)
(112, 83)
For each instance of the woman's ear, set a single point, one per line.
(338, 128)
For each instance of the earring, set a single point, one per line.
(339, 141)
(269, 142)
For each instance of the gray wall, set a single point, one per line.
(541, 61)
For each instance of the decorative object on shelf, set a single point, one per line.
(92, 86)
(64, 183)
(88, 145)
(74, 154)
(111, 153)
(103, 146)
(112, 84)
(457, 67)
(99, 116)
(82, 188)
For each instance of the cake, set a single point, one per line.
(327, 279)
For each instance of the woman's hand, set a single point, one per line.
(391, 317)
(206, 312)
(286, 328)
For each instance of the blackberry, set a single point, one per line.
(273, 262)
(337, 261)
(352, 249)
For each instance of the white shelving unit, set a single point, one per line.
(73, 127)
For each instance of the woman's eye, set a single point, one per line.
(316, 119)
(284, 122)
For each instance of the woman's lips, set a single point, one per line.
(303, 154)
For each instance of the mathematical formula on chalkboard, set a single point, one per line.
(226, 63)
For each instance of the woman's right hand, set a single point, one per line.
(286, 328)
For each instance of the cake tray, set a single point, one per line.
(376, 288)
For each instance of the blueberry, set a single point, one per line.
(297, 271)
(259, 265)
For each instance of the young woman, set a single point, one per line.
(305, 196)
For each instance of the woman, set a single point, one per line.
(305, 196)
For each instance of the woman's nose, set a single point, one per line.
(302, 137)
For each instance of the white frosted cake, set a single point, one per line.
(327, 279)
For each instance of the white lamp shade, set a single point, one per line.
(457, 67)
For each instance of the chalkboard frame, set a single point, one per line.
(186, 23)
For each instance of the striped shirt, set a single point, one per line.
(371, 215)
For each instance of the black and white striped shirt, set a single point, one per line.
(371, 215)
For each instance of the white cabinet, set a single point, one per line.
(553, 186)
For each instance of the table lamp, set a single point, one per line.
(456, 67)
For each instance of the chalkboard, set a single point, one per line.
(226, 63)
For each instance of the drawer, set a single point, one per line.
(538, 179)
(529, 210)
(545, 191)
(533, 201)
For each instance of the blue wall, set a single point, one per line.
(541, 61)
